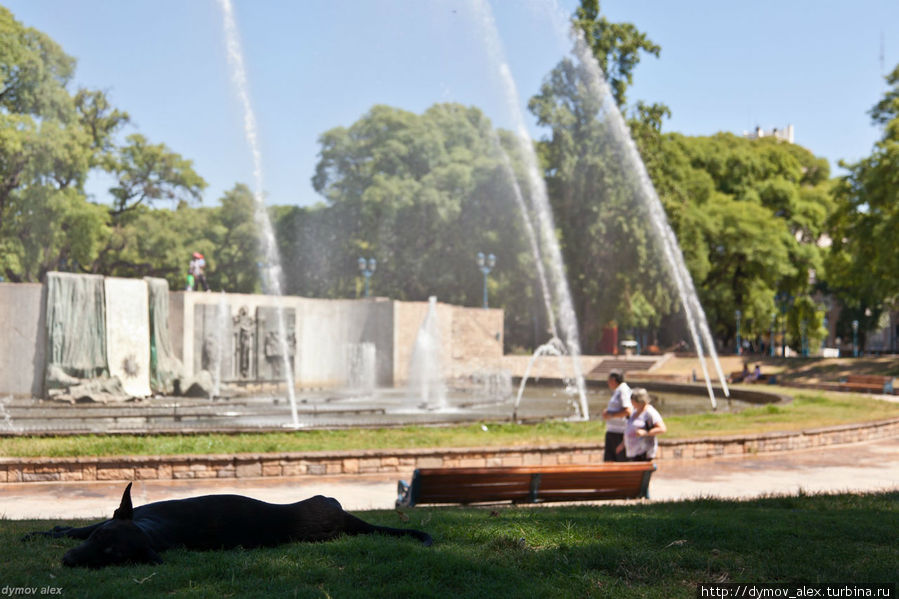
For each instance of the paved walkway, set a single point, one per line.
(869, 466)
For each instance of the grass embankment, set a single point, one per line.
(640, 550)
(807, 410)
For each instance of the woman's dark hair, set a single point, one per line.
(617, 375)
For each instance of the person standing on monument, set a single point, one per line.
(197, 268)
(616, 415)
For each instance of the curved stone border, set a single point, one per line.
(755, 396)
(403, 461)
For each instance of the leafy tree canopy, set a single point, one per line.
(50, 140)
(616, 46)
(422, 194)
(863, 263)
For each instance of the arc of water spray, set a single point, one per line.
(223, 321)
(674, 259)
(271, 269)
(552, 347)
(529, 231)
(539, 197)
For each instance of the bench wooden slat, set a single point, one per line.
(527, 483)
(868, 378)
(548, 485)
(510, 470)
(869, 382)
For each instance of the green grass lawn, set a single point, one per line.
(624, 550)
(807, 410)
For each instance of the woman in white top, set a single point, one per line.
(644, 425)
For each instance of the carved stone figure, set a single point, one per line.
(245, 334)
(272, 359)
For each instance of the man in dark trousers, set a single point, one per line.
(615, 415)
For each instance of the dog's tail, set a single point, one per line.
(355, 526)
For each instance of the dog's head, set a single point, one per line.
(116, 541)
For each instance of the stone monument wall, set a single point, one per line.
(23, 343)
(319, 334)
(472, 338)
(128, 333)
(325, 338)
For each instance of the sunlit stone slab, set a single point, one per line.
(128, 334)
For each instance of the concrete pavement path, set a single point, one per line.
(872, 466)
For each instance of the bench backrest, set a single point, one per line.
(529, 484)
(885, 382)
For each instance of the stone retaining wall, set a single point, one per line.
(404, 462)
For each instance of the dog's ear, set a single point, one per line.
(125, 510)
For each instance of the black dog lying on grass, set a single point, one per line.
(137, 535)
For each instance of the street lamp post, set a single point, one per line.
(771, 334)
(803, 327)
(739, 315)
(486, 264)
(783, 298)
(367, 267)
(854, 338)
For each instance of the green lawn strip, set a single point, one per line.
(622, 550)
(808, 410)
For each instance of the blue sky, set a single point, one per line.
(317, 64)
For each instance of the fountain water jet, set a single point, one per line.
(360, 375)
(223, 326)
(539, 201)
(271, 269)
(553, 347)
(646, 194)
(531, 235)
(427, 389)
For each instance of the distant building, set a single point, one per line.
(782, 134)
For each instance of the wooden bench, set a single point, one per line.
(526, 484)
(737, 377)
(869, 383)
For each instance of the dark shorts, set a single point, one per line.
(640, 458)
(613, 440)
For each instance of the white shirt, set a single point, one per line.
(634, 445)
(620, 400)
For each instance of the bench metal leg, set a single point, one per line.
(402, 494)
(644, 485)
(535, 488)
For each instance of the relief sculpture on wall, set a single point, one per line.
(271, 357)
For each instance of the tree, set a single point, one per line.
(234, 243)
(750, 217)
(616, 46)
(748, 214)
(592, 192)
(422, 194)
(49, 142)
(45, 156)
(100, 119)
(863, 261)
(146, 173)
(34, 72)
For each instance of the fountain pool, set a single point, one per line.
(326, 409)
